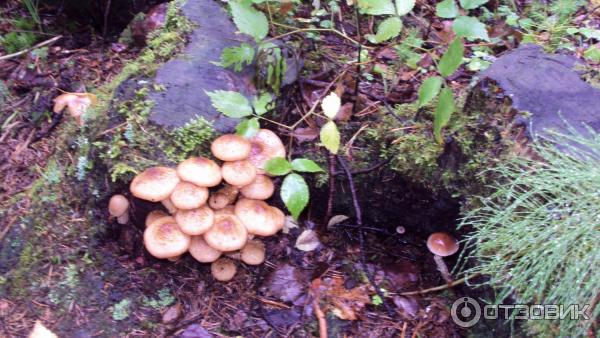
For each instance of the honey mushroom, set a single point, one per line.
(118, 205)
(238, 173)
(163, 239)
(261, 188)
(188, 196)
(223, 269)
(202, 252)
(265, 145)
(195, 221)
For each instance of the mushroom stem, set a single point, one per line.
(443, 268)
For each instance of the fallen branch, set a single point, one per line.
(439, 288)
(39, 45)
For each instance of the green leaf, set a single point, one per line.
(446, 9)
(237, 56)
(404, 7)
(470, 27)
(592, 54)
(232, 104)
(261, 103)
(387, 29)
(471, 4)
(305, 165)
(429, 90)
(377, 7)
(248, 128)
(452, 58)
(248, 20)
(330, 137)
(295, 194)
(443, 111)
(278, 166)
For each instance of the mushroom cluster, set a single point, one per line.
(208, 224)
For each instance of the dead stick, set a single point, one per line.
(41, 44)
(439, 288)
(329, 212)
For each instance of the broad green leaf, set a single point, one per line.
(232, 104)
(377, 7)
(404, 7)
(331, 105)
(248, 128)
(592, 54)
(295, 194)
(248, 20)
(471, 4)
(429, 90)
(447, 9)
(237, 56)
(278, 166)
(330, 137)
(470, 27)
(443, 111)
(452, 58)
(261, 103)
(305, 165)
(388, 29)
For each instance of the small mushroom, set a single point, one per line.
(261, 188)
(203, 252)
(265, 146)
(223, 197)
(188, 196)
(223, 269)
(442, 245)
(117, 207)
(153, 216)
(169, 205)
(227, 234)
(201, 171)
(238, 173)
(230, 147)
(154, 184)
(253, 253)
(195, 221)
(230, 209)
(279, 217)
(258, 217)
(164, 239)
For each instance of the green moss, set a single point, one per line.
(191, 139)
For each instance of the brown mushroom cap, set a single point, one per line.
(163, 239)
(227, 234)
(253, 253)
(261, 188)
(195, 221)
(229, 209)
(258, 217)
(442, 244)
(188, 196)
(169, 205)
(154, 215)
(230, 147)
(201, 171)
(154, 184)
(238, 173)
(223, 197)
(279, 218)
(265, 146)
(202, 252)
(118, 205)
(223, 269)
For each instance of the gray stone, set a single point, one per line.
(548, 87)
(186, 78)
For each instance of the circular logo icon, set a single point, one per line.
(465, 312)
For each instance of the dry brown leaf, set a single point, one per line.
(75, 103)
(346, 303)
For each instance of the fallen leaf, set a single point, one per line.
(40, 331)
(286, 283)
(305, 134)
(289, 224)
(307, 241)
(75, 103)
(331, 105)
(346, 302)
(336, 220)
(172, 314)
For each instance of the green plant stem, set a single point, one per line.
(304, 30)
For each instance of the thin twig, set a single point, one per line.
(41, 44)
(331, 172)
(441, 287)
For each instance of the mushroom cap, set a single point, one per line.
(229, 209)
(261, 188)
(188, 196)
(253, 253)
(230, 147)
(169, 205)
(238, 173)
(202, 252)
(442, 244)
(258, 217)
(223, 197)
(223, 269)
(154, 184)
(154, 215)
(118, 205)
(227, 234)
(195, 221)
(279, 218)
(265, 146)
(163, 239)
(201, 171)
